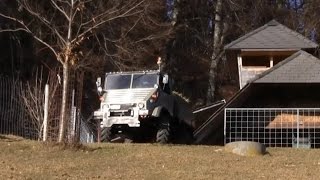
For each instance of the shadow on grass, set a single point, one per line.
(70, 146)
(10, 138)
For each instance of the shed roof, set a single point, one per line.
(272, 35)
(301, 67)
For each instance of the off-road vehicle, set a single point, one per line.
(140, 106)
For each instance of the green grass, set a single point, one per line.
(23, 159)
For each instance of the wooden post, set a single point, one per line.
(271, 61)
(240, 69)
(46, 111)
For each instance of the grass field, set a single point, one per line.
(23, 159)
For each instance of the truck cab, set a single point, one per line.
(133, 102)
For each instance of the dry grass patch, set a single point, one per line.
(23, 159)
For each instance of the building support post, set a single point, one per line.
(240, 69)
(271, 61)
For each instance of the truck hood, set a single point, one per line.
(125, 96)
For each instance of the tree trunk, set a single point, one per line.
(67, 53)
(63, 112)
(216, 50)
(175, 12)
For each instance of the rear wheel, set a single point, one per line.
(183, 134)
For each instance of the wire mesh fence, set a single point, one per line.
(22, 107)
(87, 134)
(274, 127)
(13, 116)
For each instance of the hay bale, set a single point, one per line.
(246, 148)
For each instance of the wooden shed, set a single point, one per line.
(265, 47)
(278, 101)
(276, 107)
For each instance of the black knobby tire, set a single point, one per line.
(106, 134)
(163, 135)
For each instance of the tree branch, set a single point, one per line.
(61, 10)
(45, 22)
(26, 29)
(125, 14)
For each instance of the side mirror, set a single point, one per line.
(165, 79)
(98, 82)
(99, 88)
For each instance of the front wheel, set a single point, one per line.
(163, 135)
(108, 135)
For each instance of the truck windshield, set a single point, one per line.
(144, 80)
(118, 81)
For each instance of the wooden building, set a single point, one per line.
(265, 47)
(278, 101)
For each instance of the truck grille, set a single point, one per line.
(125, 96)
(127, 106)
(121, 113)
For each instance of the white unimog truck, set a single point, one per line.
(140, 107)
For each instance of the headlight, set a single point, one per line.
(105, 107)
(115, 106)
(141, 105)
(100, 89)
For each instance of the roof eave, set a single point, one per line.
(276, 66)
(272, 49)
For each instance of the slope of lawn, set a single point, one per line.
(24, 159)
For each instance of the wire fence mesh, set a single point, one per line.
(22, 107)
(274, 127)
(13, 116)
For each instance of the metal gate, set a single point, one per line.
(274, 127)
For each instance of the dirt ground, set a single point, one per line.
(23, 159)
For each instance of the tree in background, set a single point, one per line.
(75, 30)
(196, 56)
(188, 52)
(128, 35)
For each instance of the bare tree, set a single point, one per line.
(233, 19)
(217, 43)
(65, 26)
(32, 96)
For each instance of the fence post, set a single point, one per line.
(225, 126)
(298, 130)
(46, 111)
(72, 123)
